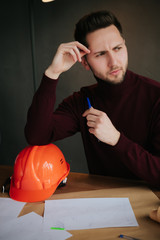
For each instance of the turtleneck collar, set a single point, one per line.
(118, 89)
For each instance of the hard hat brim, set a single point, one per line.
(35, 195)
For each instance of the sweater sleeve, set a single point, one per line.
(141, 162)
(44, 125)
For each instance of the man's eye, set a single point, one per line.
(100, 54)
(117, 49)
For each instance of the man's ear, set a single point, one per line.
(85, 63)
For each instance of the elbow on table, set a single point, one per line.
(36, 139)
(154, 181)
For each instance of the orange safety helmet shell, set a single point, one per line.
(38, 170)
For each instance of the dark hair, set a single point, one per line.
(94, 21)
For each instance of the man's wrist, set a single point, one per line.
(116, 139)
(49, 73)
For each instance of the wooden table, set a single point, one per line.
(142, 198)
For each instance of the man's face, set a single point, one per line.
(108, 59)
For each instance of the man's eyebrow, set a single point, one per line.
(104, 51)
(118, 45)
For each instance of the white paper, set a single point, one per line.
(10, 207)
(88, 213)
(29, 227)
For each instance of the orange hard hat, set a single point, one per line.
(38, 170)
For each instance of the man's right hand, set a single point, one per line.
(66, 56)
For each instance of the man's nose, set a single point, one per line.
(112, 61)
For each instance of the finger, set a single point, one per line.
(96, 111)
(78, 53)
(92, 111)
(91, 117)
(74, 51)
(82, 48)
(77, 44)
(91, 130)
(91, 124)
(81, 52)
(79, 49)
(87, 112)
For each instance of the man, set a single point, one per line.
(121, 131)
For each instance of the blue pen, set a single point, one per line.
(89, 103)
(127, 237)
(89, 106)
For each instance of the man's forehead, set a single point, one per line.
(109, 35)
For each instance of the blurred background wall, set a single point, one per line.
(31, 31)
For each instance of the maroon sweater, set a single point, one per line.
(133, 107)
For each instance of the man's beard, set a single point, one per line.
(115, 79)
(112, 80)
